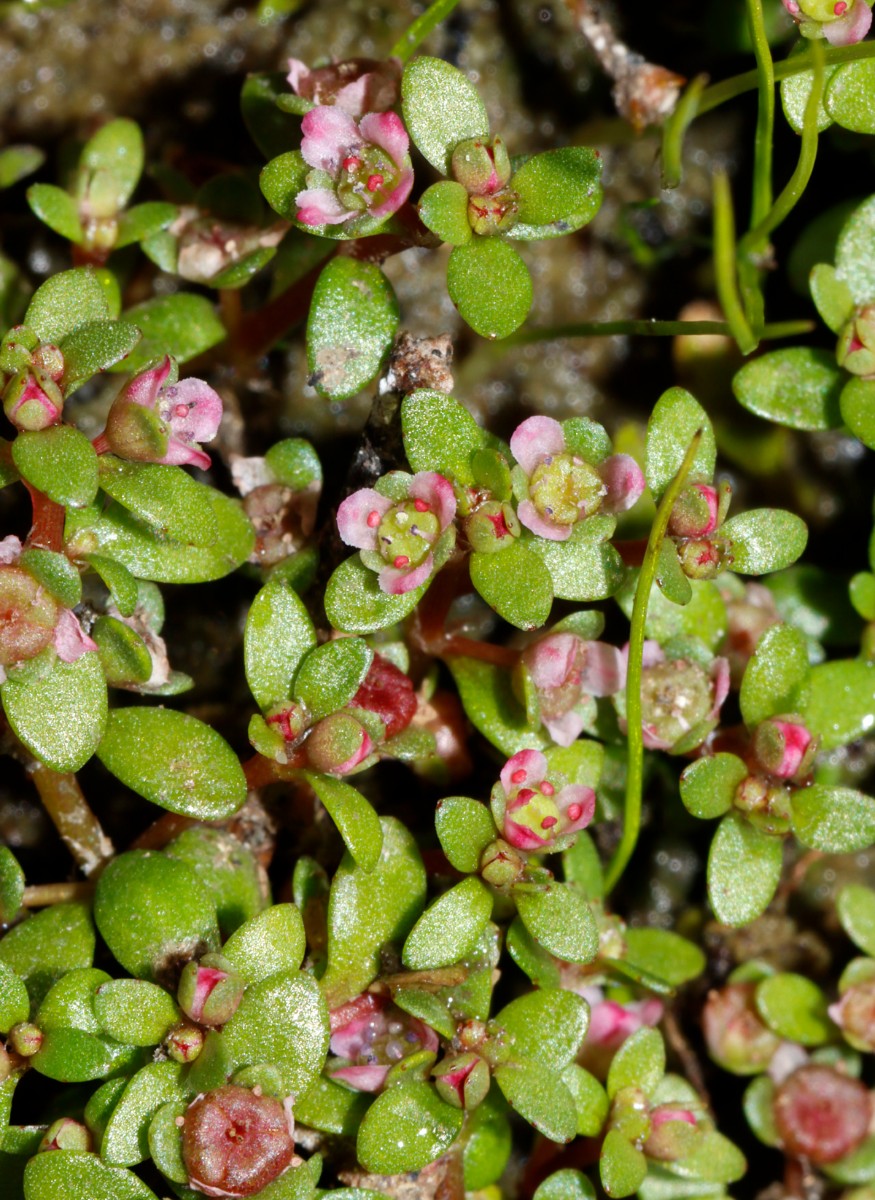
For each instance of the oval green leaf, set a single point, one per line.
(490, 285)
(798, 387)
(744, 866)
(450, 928)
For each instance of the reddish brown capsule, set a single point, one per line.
(235, 1142)
(822, 1114)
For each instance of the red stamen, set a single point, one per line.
(547, 789)
(181, 410)
(420, 506)
(574, 811)
(549, 822)
(374, 182)
(373, 519)
(525, 794)
(401, 561)
(352, 163)
(519, 776)
(840, 8)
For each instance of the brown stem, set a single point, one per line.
(47, 529)
(260, 771)
(44, 894)
(258, 331)
(463, 647)
(82, 833)
(231, 308)
(162, 831)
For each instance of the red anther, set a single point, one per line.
(420, 506)
(352, 163)
(547, 789)
(525, 794)
(573, 812)
(401, 560)
(518, 776)
(840, 8)
(181, 410)
(373, 519)
(549, 822)
(374, 182)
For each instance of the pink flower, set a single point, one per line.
(566, 671)
(611, 1023)
(696, 512)
(367, 161)
(784, 747)
(841, 22)
(678, 698)
(356, 86)
(400, 539)
(531, 812)
(372, 1034)
(156, 419)
(558, 488)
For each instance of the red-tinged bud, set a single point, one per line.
(32, 403)
(630, 1114)
(235, 1142)
(673, 1133)
(184, 1043)
(66, 1134)
(287, 719)
(501, 865)
(695, 512)
(136, 432)
(210, 991)
(488, 215)
(17, 348)
(462, 1080)
(492, 527)
(471, 1034)
(701, 558)
(49, 361)
(338, 744)
(854, 1014)
(856, 348)
(758, 797)
(822, 1114)
(784, 747)
(388, 693)
(25, 1039)
(28, 616)
(736, 1037)
(482, 167)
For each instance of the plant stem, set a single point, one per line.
(64, 802)
(647, 328)
(765, 130)
(725, 264)
(416, 34)
(635, 734)
(47, 529)
(686, 111)
(44, 894)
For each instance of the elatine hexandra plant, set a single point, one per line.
(403, 877)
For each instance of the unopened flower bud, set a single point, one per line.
(700, 558)
(493, 527)
(482, 167)
(471, 1034)
(462, 1080)
(387, 693)
(736, 1037)
(16, 349)
(66, 1134)
(32, 403)
(184, 1043)
(695, 512)
(235, 1142)
(25, 1039)
(288, 719)
(630, 1114)
(822, 1114)
(500, 864)
(49, 361)
(493, 213)
(338, 744)
(784, 747)
(673, 1131)
(768, 802)
(856, 349)
(136, 432)
(855, 1014)
(210, 991)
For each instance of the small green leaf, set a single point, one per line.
(670, 577)
(465, 828)
(281, 181)
(440, 435)
(164, 497)
(585, 566)
(154, 913)
(639, 1063)
(270, 129)
(849, 96)
(547, 1026)
(95, 347)
(77, 1175)
(841, 707)
(858, 1167)
(832, 297)
(229, 870)
(582, 865)
(443, 208)
(795, 1008)
(278, 634)
(57, 209)
(559, 184)
(125, 1140)
(777, 678)
(856, 909)
(622, 1166)
(117, 149)
(43, 948)
(490, 285)
(182, 325)
(492, 707)
(55, 572)
(441, 108)
(11, 886)
(144, 221)
(590, 1098)
(664, 954)
(857, 404)
(124, 655)
(763, 540)
(174, 760)
(675, 419)
(135, 1011)
(118, 579)
(270, 942)
(61, 462)
(837, 820)
(331, 1107)
(703, 617)
(488, 1141)
(14, 1001)
(66, 301)
(57, 709)
(331, 674)
(352, 322)
(744, 866)
(560, 919)
(708, 785)
(354, 602)
(450, 928)
(406, 1128)
(798, 387)
(854, 258)
(73, 1049)
(17, 162)
(566, 1184)
(541, 1097)
(515, 584)
(356, 821)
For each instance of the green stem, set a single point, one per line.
(416, 34)
(725, 264)
(80, 829)
(647, 328)
(765, 130)
(686, 111)
(635, 731)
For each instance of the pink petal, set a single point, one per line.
(531, 762)
(367, 1078)
(366, 747)
(143, 389)
(387, 131)
(532, 519)
(320, 206)
(330, 136)
(195, 410)
(850, 28)
(353, 96)
(720, 676)
(395, 582)
(396, 197)
(603, 669)
(355, 1014)
(534, 439)
(564, 730)
(437, 493)
(610, 1024)
(181, 454)
(10, 548)
(297, 72)
(624, 480)
(576, 796)
(551, 660)
(652, 654)
(427, 1036)
(69, 639)
(356, 522)
(521, 837)
(660, 1115)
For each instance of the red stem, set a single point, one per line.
(47, 530)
